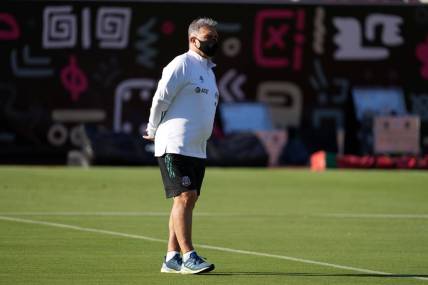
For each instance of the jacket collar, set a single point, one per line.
(206, 61)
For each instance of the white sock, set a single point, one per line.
(187, 255)
(170, 255)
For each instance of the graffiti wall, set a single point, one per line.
(67, 63)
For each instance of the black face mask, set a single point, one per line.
(208, 47)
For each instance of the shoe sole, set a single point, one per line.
(165, 269)
(203, 270)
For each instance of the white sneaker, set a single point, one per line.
(195, 264)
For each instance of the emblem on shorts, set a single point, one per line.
(198, 90)
(185, 181)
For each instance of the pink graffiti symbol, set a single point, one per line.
(13, 32)
(168, 28)
(276, 36)
(73, 79)
(422, 55)
(272, 27)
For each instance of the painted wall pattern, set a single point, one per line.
(64, 64)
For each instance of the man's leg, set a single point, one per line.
(173, 260)
(181, 213)
(172, 241)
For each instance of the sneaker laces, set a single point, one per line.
(199, 259)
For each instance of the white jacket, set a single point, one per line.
(183, 107)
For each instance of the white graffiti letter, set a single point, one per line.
(113, 27)
(391, 28)
(285, 100)
(349, 41)
(59, 27)
(123, 94)
(350, 37)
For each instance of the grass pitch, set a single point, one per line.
(109, 226)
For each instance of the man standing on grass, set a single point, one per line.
(180, 123)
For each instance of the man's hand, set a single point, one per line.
(149, 138)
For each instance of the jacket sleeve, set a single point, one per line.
(174, 78)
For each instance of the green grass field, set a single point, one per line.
(109, 226)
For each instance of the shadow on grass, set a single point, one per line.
(371, 275)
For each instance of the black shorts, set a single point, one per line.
(181, 173)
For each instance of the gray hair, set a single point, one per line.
(199, 23)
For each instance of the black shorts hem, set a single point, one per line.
(174, 192)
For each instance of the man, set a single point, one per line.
(180, 123)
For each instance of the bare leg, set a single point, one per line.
(182, 212)
(172, 241)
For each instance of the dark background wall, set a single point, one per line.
(67, 63)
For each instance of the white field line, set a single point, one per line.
(208, 214)
(126, 214)
(376, 216)
(224, 249)
(119, 214)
